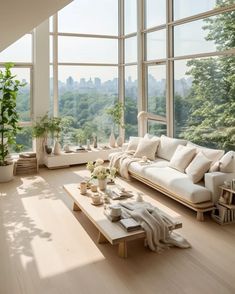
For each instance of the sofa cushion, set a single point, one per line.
(172, 180)
(168, 146)
(213, 154)
(147, 147)
(133, 143)
(182, 157)
(198, 167)
(227, 162)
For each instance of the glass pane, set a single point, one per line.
(51, 24)
(51, 49)
(24, 139)
(23, 98)
(155, 12)
(190, 38)
(185, 8)
(156, 128)
(131, 102)
(91, 50)
(156, 45)
(89, 17)
(157, 89)
(85, 93)
(204, 102)
(20, 51)
(131, 49)
(130, 16)
(51, 107)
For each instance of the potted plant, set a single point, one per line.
(101, 172)
(43, 128)
(116, 112)
(9, 118)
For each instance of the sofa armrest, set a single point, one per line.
(214, 180)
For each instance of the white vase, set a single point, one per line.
(112, 140)
(119, 141)
(102, 184)
(57, 148)
(6, 173)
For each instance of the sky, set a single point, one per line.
(78, 17)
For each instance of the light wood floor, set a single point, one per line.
(45, 248)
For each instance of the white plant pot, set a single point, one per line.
(112, 140)
(119, 141)
(102, 184)
(57, 148)
(6, 173)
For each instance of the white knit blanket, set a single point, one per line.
(156, 225)
(121, 161)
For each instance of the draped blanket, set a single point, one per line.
(156, 225)
(121, 161)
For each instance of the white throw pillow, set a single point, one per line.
(168, 146)
(198, 167)
(151, 137)
(182, 157)
(133, 143)
(147, 148)
(227, 162)
(213, 154)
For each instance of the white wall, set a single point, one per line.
(20, 17)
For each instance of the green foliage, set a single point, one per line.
(211, 101)
(47, 125)
(116, 112)
(9, 118)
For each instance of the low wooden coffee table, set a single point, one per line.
(110, 231)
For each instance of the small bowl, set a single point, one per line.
(96, 198)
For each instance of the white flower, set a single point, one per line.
(90, 166)
(99, 161)
(100, 172)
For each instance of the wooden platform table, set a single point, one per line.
(111, 232)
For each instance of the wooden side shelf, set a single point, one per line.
(224, 213)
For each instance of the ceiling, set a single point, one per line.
(20, 17)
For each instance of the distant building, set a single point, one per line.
(97, 83)
(69, 83)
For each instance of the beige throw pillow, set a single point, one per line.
(147, 148)
(198, 167)
(182, 157)
(227, 162)
(168, 146)
(213, 154)
(133, 143)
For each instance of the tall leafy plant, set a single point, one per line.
(9, 118)
(116, 113)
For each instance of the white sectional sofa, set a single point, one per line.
(189, 179)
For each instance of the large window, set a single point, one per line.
(89, 17)
(157, 90)
(87, 68)
(131, 101)
(20, 54)
(203, 95)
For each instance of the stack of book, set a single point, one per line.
(129, 224)
(224, 213)
(27, 163)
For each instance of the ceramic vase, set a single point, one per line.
(102, 184)
(112, 140)
(120, 141)
(57, 148)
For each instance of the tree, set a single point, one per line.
(211, 119)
